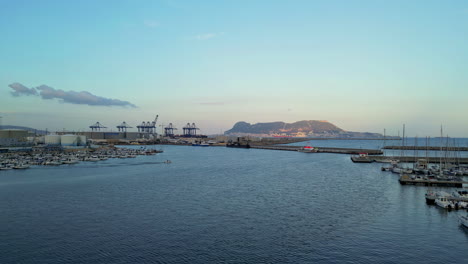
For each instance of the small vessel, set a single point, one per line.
(361, 158)
(308, 149)
(6, 167)
(444, 203)
(238, 144)
(70, 161)
(200, 144)
(53, 163)
(21, 166)
(92, 158)
(432, 195)
(460, 194)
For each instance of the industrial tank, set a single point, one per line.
(82, 140)
(69, 140)
(52, 139)
(40, 140)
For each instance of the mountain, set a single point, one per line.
(305, 128)
(32, 130)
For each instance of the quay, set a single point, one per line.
(432, 148)
(323, 150)
(407, 180)
(410, 159)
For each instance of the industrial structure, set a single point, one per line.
(123, 127)
(190, 130)
(66, 140)
(97, 127)
(147, 127)
(14, 137)
(147, 132)
(169, 130)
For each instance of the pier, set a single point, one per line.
(323, 150)
(411, 159)
(431, 148)
(407, 180)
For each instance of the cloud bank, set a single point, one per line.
(19, 89)
(72, 97)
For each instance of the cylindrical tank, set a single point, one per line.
(40, 139)
(82, 140)
(52, 139)
(69, 140)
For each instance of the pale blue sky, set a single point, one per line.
(362, 65)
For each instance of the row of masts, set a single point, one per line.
(444, 151)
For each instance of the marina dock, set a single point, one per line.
(410, 159)
(407, 180)
(431, 148)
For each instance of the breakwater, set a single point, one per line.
(432, 148)
(407, 180)
(412, 159)
(323, 150)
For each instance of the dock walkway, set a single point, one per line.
(412, 159)
(432, 148)
(406, 180)
(322, 149)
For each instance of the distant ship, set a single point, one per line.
(238, 144)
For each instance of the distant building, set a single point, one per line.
(14, 137)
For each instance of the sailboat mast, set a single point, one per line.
(440, 152)
(415, 151)
(403, 142)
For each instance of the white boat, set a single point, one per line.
(92, 158)
(460, 194)
(21, 166)
(6, 168)
(53, 163)
(70, 161)
(308, 149)
(431, 195)
(444, 203)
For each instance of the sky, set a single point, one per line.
(363, 65)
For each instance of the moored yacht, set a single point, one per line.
(444, 203)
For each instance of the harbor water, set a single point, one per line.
(223, 205)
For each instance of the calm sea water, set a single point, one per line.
(223, 205)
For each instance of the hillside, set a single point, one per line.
(305, 128)
(32, 130)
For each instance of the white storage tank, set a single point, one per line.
(69, 140)
(82, 140)
(40, 140)
(52, 140)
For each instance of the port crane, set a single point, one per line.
(123, 127)
(96, 127)
(169, 130)
(190, 130)
(147, 127)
